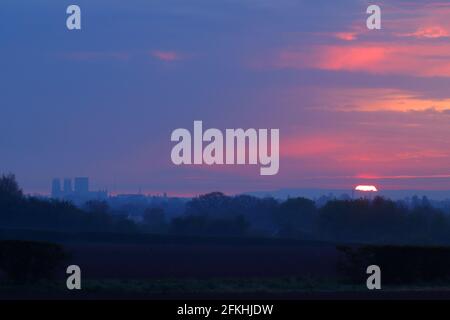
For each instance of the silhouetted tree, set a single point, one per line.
(296, 217)
(20, 212)
(154, 220)
(9, 189)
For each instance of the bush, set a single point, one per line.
(28, 261)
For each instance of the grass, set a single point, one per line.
(162, 287)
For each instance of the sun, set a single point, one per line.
(366, 188)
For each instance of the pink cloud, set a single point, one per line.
(379, 52)
(377, 58)
(430, 32)
(346, 36)
(368, 154)
(311, 146)
(167, 56)
(420, 21)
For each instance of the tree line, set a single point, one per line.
(215, 214)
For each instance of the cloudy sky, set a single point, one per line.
(352, 105)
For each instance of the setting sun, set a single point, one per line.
(366, 188)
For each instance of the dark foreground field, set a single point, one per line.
(191, 268)
(203, 260)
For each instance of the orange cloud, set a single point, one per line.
(396, 100)
(347, 99)
(381, 99)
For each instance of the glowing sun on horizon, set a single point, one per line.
(366, 188)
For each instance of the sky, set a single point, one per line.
(354, 106)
